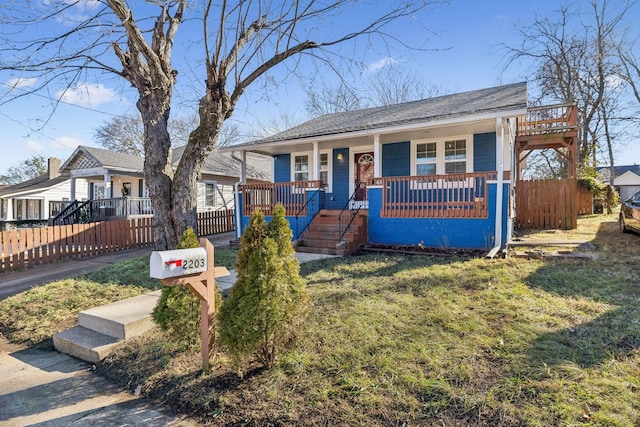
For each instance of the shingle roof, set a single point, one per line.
(619, 170)
(217, 164)
(39, 183)
(116, 160)
(495, 99)
(221, 163)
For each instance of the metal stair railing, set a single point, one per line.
(58, 219)
(81, 214)
(345, 220)
(299, 212)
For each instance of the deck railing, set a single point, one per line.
(56, 206)
(139, 206)
(562, 118)
(292, 195)
(435, 196)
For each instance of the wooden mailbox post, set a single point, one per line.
(193, 268)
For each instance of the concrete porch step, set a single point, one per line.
(84, 344)
(121, 319)
(314, 250)
(100, 328)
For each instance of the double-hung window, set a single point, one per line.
(324, 169)
(210, 194)
(426, 158)
(455, 156)
(301, 168)
(34, 207)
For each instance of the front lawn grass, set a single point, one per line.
(33, 317)
(417, 340)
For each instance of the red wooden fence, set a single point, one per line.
(549, 204)
(215, 222)
(27, 247)
(584, 200)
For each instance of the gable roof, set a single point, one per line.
(484, 101)
(39, 183)
(618, 171)
(218, 163)
(85, 157)
(222, 163)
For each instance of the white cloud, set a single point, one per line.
(21, 82)
(378, 65)
(33, 146)
(87, 95)
(67, 142)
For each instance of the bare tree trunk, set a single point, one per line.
(157, 165)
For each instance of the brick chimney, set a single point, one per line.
(54, 167)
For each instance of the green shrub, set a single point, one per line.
(178, 310)
(268, 302)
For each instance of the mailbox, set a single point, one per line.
(179, 262)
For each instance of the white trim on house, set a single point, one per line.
(329, 153)
(310, 162)
(440, 150)
(313, 171)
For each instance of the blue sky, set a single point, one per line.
(464, 53)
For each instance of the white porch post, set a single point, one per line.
(10, 214)
(500, 171)
(243, 167)
(72, 195)
(108, 191)
(315, 170)
(377, 160)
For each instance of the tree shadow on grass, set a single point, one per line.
(368, 265)
(613, 277)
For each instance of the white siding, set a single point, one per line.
(223, 197)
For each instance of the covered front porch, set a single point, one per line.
(457, 210)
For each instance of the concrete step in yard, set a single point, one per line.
(100, 328)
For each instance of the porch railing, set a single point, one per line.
(292, 195)
(562, 118)
(435, 196)
(139, 206)
(56, 206)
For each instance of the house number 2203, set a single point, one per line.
(190, 263)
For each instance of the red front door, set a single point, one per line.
(363, 171)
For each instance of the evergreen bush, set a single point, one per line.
(268, 302)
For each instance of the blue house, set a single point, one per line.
(434, 172)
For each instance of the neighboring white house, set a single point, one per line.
(626, 179)
(113, 175)
(38, 198)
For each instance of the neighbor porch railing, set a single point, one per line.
(57, 206)
(292, 195)
(553, 119)
(435, 196)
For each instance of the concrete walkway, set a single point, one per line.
(49, 388)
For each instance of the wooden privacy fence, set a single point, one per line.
(547, 204)
(584, 200)
(215, 222)
(28, 247)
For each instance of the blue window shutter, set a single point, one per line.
(484, 152)
(396, 159)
